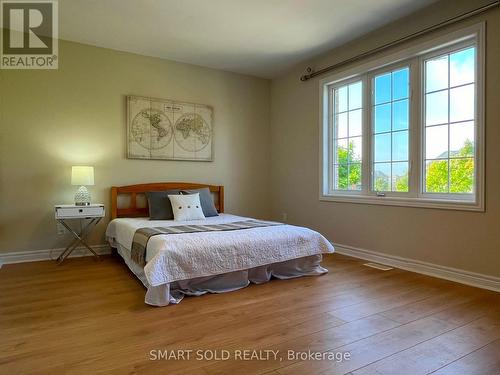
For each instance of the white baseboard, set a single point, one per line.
(49, 254)
(443, 272)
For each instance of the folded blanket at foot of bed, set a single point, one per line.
(143, 235)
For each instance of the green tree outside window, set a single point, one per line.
(461, 177)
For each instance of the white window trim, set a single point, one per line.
(363, 72)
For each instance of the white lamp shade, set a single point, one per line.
(82, 175)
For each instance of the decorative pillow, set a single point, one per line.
(186, 207)
(159, 204)
(206, 200)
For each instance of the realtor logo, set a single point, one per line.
(29, 35)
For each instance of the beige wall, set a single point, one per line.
(51, 120)
(465, 240)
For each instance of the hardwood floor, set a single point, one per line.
(89, 317)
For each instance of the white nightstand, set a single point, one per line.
(64, 212)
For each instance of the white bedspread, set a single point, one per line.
(185, 256)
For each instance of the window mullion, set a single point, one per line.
(416, 128)
(331, 143)
(367, 142)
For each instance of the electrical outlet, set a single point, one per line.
(284, 216)
(60, 229)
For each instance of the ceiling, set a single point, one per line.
(258, 37)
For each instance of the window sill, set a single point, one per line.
(459, 205)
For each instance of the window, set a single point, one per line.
(390, 130)
(407, 129)
(449, 122)
(347, 112)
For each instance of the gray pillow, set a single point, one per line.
(206, 200)
(160, 207)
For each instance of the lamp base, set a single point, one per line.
(82, 197)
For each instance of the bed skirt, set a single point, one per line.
(173, 293)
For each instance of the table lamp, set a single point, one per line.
(82, 175)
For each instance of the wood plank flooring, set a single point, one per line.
(89, 317)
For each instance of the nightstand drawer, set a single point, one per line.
(79, 212)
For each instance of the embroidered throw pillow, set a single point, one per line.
(186, 207)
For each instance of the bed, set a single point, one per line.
(202, 262)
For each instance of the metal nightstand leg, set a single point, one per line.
(79, 238)
(68, 250)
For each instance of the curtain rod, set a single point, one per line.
(396, 42)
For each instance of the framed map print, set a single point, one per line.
(168, 129)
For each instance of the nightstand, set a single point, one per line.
(66, 212)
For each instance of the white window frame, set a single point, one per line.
(414, 56)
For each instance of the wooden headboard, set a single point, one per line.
(134, 191)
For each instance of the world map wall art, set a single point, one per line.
(168, 129)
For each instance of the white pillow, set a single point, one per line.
(186, 207)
